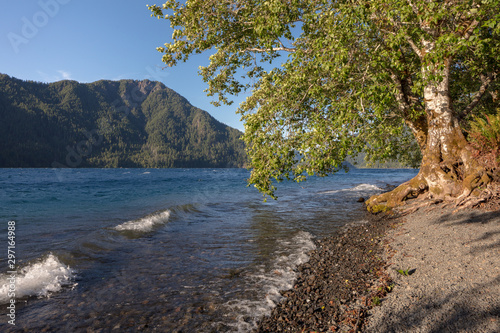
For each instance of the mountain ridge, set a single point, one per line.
(125, 123)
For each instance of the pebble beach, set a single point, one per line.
(434, 270)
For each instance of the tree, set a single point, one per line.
(394, 78)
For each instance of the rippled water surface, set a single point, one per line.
(191, 250)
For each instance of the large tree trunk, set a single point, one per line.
(448, 170)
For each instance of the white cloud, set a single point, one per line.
(65, 75)
(61, 75)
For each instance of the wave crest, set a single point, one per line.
(356, 189)
(269, 283)
(145, 224)
(41, 278)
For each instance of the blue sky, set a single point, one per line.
(90, 40)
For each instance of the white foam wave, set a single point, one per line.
(40, 278)
(366, 187)
(280, 277)
(359, 188)
(146, 223)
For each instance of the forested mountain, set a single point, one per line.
(109, 124)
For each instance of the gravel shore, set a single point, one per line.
(452, 285)
(455, 285)
(335, 288)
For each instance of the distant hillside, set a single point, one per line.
(360, 162)
(109, 124)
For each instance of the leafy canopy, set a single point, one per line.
(329, 79)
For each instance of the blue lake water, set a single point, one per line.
(169, 250)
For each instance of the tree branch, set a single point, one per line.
(403, 104)
(414, 47)
(415, 9)
(274, 49)
(486, 80)
(470, 29)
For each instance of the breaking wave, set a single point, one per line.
(145, 224)
(40, 278)
(269, 282)
(361, 188)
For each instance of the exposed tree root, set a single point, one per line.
(397, 197)
(415, 207)
(474, 189)
(489, 195)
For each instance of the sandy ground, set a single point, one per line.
(455, 285)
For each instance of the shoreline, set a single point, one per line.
(351, 283)
(336, 287)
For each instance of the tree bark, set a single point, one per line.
(448, 170)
